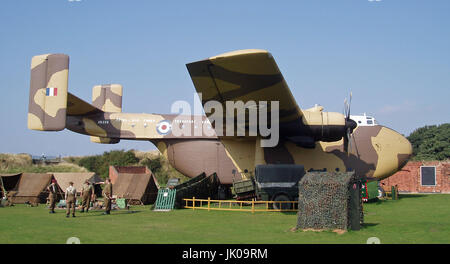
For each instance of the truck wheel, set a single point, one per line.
(281, 206)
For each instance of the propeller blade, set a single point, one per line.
(345, 107)
(350, 103)
(349, 136)
(350, 124)
(345, 144)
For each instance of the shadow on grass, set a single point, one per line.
(384, 201)
(366, 225)
(400, 197)
(410, 195)
(378, 201)
(289, 213)
(100, 213)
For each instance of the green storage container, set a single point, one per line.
(394, 193)
(121, 203)
(369, 190)
(244, 186)
(372, 188)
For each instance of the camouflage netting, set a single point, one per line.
(326, 201)
(200, 187)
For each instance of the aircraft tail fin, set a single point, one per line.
(48, 92)
(107, 97)
(50, 102)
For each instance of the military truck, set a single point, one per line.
(273, 182)
(278, 182)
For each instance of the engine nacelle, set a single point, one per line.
(324, 126)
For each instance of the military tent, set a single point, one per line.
(32, 187)
(8, 182)
(139, 187)
(115, 170)
(330, 200)
(78, 178)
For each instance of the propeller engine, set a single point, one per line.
(317, 125)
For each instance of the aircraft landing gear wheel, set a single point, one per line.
(281, 206)
(380, 193)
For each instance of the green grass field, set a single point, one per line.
(412, 219)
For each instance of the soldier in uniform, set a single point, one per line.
(6, 200)
(71, 199)
(86, 195)
(52, 192)
(107, 195)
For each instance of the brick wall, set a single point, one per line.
(408, 179)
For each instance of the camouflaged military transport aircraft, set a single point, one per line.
(316, 139)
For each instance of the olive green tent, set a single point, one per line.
(138, 187)
(32, 187)
(78, 178)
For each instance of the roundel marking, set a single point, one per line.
(163, 127)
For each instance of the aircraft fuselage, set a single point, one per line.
(377, 151)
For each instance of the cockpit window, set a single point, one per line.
(364, 120)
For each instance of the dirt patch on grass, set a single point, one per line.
(337, 231)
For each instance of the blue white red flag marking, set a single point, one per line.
(51, 91)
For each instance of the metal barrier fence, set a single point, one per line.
(232, 205)
(165, 200)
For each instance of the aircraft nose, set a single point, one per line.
(405, 153)
(393, 150)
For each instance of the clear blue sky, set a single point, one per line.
(393, 55)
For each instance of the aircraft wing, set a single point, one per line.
(245, 75)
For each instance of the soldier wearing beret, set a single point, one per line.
(52, 192)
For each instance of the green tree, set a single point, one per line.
(100, 163)
(159, 165)
(431, 142)
(153, 164)
(90, 162)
